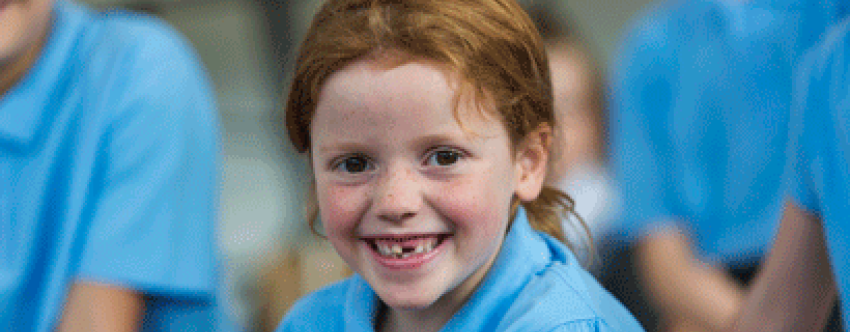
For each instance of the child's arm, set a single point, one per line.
(795, 289)
(684, 287)
(93, 307)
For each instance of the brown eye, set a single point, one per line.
(444, 158)
(356, 164)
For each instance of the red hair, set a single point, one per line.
(491, 46)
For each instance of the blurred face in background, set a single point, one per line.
(23, 29)
(576, 136)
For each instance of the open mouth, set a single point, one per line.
(402, 247)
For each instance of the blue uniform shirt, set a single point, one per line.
(820, 157)
(108, 151)
(701, 100)
(535, 284)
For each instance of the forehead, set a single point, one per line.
(415, 94)
(369, 83)
(368, 100)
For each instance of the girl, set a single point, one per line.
(428, 126)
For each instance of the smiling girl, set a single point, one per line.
(428, 126)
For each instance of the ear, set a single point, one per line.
(532, 157)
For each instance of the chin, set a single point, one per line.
(410, 302)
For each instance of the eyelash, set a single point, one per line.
(340, 163)
(435, 153)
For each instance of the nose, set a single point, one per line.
(397, 197)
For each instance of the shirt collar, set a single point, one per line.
(26, 107)
(524, 253)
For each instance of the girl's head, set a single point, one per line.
(491, 46)
(427, 122)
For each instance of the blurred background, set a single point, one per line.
(247, 47)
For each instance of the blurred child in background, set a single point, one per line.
(578, 162)
(701, 98)
(108, 147)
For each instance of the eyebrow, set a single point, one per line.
(467, 139)
(419, 142)
(435, 138)
(341, 146)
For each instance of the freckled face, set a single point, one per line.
(22, 24)
(412, 201)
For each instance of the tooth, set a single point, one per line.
(397, 249)
(384, 249)
(419, 248)
(429, 246)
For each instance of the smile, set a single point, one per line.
(406, 251)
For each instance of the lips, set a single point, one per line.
(406, 251)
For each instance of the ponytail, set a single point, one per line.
(549, 212)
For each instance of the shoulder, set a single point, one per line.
(319, 311)
(564, 297)
(651, 25)
(133, 65)
(126, 54)
(645, 50)
(667, 24)
(140, 36)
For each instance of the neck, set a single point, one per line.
(411, 320)
(12, 71)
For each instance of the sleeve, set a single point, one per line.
(153, 213)
(818, 91)
(639, 95)
(801, 186)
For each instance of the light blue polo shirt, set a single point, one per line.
(535, 284)
(820, 157)
(108, 151)
(700, 102)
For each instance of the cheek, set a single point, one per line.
(478, 204)
(339, 208)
